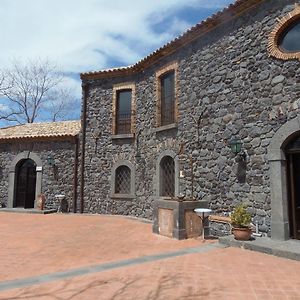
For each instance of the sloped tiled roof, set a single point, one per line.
(41, 130)
(228, 13)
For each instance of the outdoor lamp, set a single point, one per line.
(236, 146)
(50, 160)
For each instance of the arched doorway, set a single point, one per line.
(280, 178)
(25, 183)
(292, 151)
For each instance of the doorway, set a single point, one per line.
(293, 176)
(25, 184)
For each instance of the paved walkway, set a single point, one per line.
(105, 257)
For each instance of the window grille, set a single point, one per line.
(167, 176)
(168, 98)
(123, 123)
(123, 180)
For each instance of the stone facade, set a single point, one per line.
(228, 86)
(58, 179)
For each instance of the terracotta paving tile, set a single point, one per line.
(65, 242)
(49, 243)
(188, 277)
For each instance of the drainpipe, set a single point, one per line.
(83, 128)
(75, 184)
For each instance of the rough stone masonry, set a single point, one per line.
(228, 82)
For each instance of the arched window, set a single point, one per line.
(284, 40)
(167, 177)
(123, 180)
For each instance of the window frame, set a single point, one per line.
(284, 24)
(157, 181)
(162, 181)
(118, 169)
(118, 119)
(113, 193)
(116, 90)
(173, 67)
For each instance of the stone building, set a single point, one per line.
(165, 126)
(39, 158)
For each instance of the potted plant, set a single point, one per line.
(240, 221)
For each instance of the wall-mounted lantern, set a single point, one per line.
(50, 160)
(236, 146)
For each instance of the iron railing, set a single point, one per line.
(167, 110)
(123, 124)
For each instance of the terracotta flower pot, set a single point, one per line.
(41, 202)
(241, 234)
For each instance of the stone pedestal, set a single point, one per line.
(176, 219)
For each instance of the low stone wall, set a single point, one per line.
(219, 226)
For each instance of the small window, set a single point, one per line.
(123, 114)
(122, 180)
(123, 110)
(167, 83)
(167, 177)
(167, 97)
(289, 40)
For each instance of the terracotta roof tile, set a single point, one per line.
(41, 130)
(229, 12)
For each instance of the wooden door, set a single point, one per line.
(294, 198)
(26, 182)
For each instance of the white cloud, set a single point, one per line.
(70, 32)
(88, 35)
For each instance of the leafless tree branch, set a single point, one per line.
(31, 90)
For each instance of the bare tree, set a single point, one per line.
(30, 90)
(61, 105)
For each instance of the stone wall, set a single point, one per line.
(58, 180)
(228, 79)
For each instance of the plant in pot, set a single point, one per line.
(240, 221)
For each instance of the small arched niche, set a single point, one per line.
(167, 173)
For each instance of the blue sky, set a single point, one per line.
(90, 35)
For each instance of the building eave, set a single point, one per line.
(227, 14)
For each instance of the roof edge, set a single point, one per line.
(227, 14)
(40, 138)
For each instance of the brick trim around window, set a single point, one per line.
(116, 89)
(282, 25)
(166, 69)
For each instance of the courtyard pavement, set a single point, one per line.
(109, 257)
